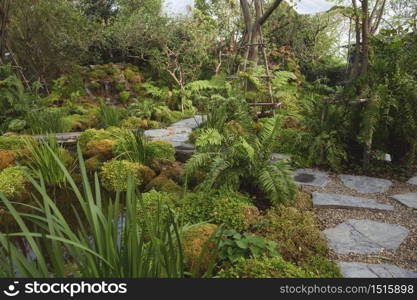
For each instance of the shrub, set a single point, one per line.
(81, 122)
(145, 174)
(296, 233)
(160, 150)
(302, 201)
(102, 147)
(124, 96)
(94, 135)
(17, 125)
(13, 181)
(114, 175)
(198, 249)
(222, 208)
(109, 116)
(266, 267)
(163, 184)
(131, 146)
(133, 123)
(94, 164)
(12, 142)
(7, 158)
(48, 121)
(232, 246)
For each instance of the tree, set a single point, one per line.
(254, 18)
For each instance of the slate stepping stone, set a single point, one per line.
(365, 237)
(192, 123)
(362, 270)
(413, 180)
(345, 201)
(409, 200)
(365, 184)
(311, 177)
(156, 133)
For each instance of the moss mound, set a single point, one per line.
(275, 267)
(115, 174)
(13, 182)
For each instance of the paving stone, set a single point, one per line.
(365, 184)
(179, 130)
(413, 180)
(365, 237)
(409, 199)
(345, 201)
(362, 270)
(311, 177)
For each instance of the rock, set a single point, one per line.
(409, 200)
(362, 270)
(277, 157)
(156, 133)
(192, 123)
(179, 130)
(365, 237)
(413, 180)
(183, 155)
(311, 177)
(345, 201)
(365, 185)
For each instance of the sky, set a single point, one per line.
(303, 6)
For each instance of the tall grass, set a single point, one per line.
(48, 121)
(42, 159)
(99, 245)
(109, 116)
(131, 146)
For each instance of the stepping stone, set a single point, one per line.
(413, 180)
(362, 270)
(366, 185)
(409, 200)
(274, 157)
(345, 201)
(156, 133)
(311, 177)
(365, 237)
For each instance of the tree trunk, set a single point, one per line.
(365, 37)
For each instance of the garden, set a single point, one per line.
(140, 144)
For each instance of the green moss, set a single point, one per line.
(94, 164)
(133, 123)
(163, 184)
(275, 267)
(93, 135)
(299, 239)
(13, 181)
(160, 150)
(229, 209)
(12, 142)
(124, 96)
(115, 175)
(154, 124)
(16, 125)
(80, 122)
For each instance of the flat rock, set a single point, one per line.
(192, 123)
(311, 177)
(156, 133)
(365, 237)
(413, 180)
(409, 199)
(365, 184)
(345, 201)
(362, 270)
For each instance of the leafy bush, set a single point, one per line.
(13, 181)
(160, 150)
(233, 246)
(267, 267)
(133, 123)
(222, 208)
(114, 175)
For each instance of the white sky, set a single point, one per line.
(303, 6)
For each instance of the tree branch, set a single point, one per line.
(269, 12)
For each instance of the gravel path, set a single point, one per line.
(406, 255)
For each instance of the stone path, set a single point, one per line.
(356, 242)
